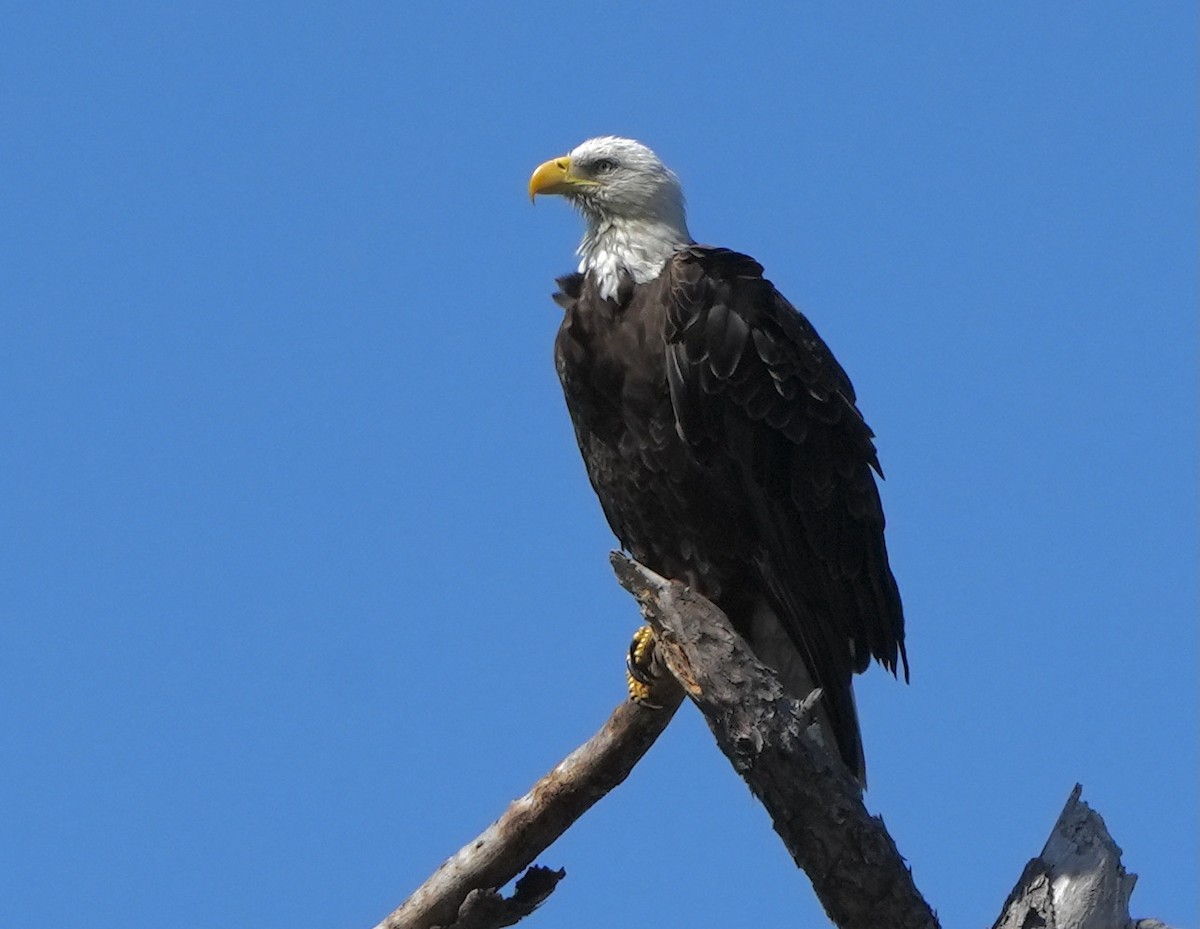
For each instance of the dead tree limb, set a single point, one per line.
(488, 909)
(1077, 882)
(462, 892)
(813, 801)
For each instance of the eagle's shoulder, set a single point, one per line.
(735, 335)
(570, 290)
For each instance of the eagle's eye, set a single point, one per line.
(603, 165)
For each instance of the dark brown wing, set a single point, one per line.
(752, 382)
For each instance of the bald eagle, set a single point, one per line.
(721, 435)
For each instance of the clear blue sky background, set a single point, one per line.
(302, 578)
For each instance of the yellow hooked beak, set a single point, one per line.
(555, 177)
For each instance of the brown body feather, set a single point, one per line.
(724, 443)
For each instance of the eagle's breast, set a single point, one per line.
(672, 512)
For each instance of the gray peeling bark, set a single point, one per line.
(1077, 882)
(815, 804)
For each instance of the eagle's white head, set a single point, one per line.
(632, 203)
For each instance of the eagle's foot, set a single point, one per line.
(642, 669)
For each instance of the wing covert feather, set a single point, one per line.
(752, 381)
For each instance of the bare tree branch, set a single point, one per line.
(771, 739)
(534, 821)
(815, 804)
(487, 909)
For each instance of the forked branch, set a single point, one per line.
(531, 823)
(861, 880)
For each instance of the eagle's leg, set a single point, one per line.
(643, 670)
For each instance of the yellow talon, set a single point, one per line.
(639, 692)
(643, 645)
(641, 669)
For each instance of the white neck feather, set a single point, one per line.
(624, 246)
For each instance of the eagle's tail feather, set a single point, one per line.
(836, 712)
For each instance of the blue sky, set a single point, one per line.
(303, 580)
